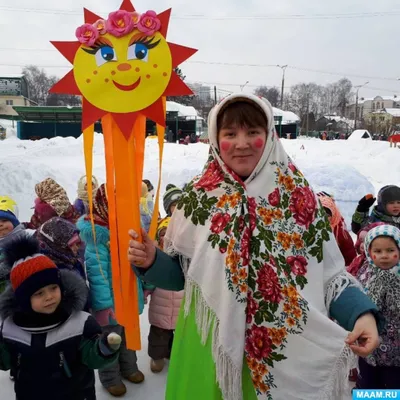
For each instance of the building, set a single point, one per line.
(202, 92)
(372, 104)
(334, 123)
(384, 121)
(14, 91)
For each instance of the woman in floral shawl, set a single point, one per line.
(262, 274)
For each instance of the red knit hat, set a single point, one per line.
(30, 270)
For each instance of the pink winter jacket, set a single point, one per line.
(164, 308)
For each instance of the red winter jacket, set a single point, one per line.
(346, 244)
(343, 238)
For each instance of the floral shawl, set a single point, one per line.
(262, 267)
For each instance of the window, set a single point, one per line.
(373, 106)
(378, 105)
(9, 102)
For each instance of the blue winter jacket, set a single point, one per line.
(98, 266)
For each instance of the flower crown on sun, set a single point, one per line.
(118, 24)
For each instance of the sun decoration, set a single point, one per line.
(123, 68)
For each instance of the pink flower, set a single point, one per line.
(268, 284)
(120, 23)
(251, 309)
(274, 198)
(258, 342)
(211, 178)
(298, 264)
(303, 205)
(135, 18)
(252, 213)
(148, 23)
(100, 25)
(219, 222)
(292, 167)
(87, 34)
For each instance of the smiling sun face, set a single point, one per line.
(124, 75)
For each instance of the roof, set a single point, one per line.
(359, 135)
(288, 117)
(183, 111)
(49, 114)
(11, 76)
(395, 112)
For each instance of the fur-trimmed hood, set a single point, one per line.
(74, 296)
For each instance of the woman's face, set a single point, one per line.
(241, 148)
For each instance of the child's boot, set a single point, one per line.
(157, 366)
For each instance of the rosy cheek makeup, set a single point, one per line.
(259, 143)
(225, 146)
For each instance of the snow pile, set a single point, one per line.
(360, 134)
(347, 170)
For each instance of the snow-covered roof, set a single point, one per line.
(360, 134)
(11, 76)
(183, 111)
(390, 98)
(395, 112)
(288, 117)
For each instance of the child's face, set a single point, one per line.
(5, 227)
(161, 236)
(46, 300)
(393, 208)
(75, 248)
(384, 252)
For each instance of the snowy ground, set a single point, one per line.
(348, 170)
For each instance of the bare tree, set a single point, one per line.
(271, 94)
(184, 100)
(38, 82)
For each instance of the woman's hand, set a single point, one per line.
(365, 338)
(141, 254)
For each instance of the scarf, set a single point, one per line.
(336, 220)
(383, 287)
(34, 322)
(368, 274)
(52, 193)
(54, 236)
(82, 188)
(379, 215)
(262, 268)
(100, 207)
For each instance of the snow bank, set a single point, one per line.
(347, 171)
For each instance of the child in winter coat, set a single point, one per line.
(52, 201)
(10, 229)
(146, 207)
(81, 203)
(163, 313)
(338, 225)
(359, 261)
(387, 210)
(45, 338)
(59, 240)
(171, 197)
(98, 269)
(381, 281)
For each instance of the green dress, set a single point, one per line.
(192, 372)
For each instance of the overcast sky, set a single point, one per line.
(356, 47)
